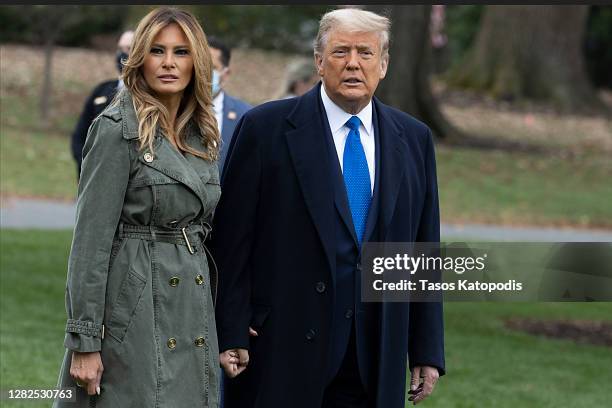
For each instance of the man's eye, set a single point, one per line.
(339, 52)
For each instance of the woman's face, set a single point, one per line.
(168, 66)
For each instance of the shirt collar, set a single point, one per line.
(337, 117)
(218, 102)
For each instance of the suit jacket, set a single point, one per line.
(233, 109)
(274, 243)
(97, 101)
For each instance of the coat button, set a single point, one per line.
(199, 342)
(349, 313)
(171, 343)
(174, 281)
(148, 157)
(199, 280)
(310, 335)
(320, 287)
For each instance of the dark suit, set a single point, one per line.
(289, 263)
(233, 109)
(97, 101)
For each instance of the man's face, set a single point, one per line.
(218, 66)
(351, 66)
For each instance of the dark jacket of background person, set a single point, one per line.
(99, 99)
(152, 295)
(233, 109)
(281, 237)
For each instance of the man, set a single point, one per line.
(99, 99)
(307, 181)
(228, 110)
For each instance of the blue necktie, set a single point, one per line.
(356, 177)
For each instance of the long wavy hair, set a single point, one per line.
(196, 104)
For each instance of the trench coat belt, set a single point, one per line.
(190, 235)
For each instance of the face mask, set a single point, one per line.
(216, 78)
(121, 56)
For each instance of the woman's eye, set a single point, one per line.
(182, 52)
(155, 50)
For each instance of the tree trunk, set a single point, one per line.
(45, 96)
(532, 52)
(407, 85)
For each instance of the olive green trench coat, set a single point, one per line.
(135, 291)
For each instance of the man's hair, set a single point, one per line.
(226, 53)
(353, 20)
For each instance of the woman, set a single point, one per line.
(139, 297)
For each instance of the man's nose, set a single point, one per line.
(353, 60)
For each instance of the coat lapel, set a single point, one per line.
(309, 154)
(393, 152)
(164, 157)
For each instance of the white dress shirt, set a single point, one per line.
(218, 106)
(337, 118)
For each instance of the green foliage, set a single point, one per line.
(598, 46)
(462, 24)
(281, 27)
(75, 25)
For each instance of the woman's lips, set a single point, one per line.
(168, 78)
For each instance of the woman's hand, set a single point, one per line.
(86, 370)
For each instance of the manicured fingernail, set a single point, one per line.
(98, 390)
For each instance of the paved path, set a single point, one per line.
(46, 214)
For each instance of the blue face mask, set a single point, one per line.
(216, 86)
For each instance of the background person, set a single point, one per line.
(228, 110)
(308, 180)
(139, 295)
(300, 77)
(99, 99)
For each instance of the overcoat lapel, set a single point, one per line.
(309, 154)
(394, 152)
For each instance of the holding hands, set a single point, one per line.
(235, 361)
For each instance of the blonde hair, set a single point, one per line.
(196, 104)
(353, 20)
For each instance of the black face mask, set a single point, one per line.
(121, 57)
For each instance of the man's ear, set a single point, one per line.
(384, 64)
(227, 71)
(318, 60)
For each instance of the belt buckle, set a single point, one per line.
(191, 251)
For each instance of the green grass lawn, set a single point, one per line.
(477, 186)
(488, 365)
(517, 188)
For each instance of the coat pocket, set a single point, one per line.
(130, 293)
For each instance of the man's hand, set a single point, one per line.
(86, 370)
(234, 361)
(419, 390)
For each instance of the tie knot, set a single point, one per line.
(353, 123)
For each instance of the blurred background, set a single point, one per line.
(520, 102)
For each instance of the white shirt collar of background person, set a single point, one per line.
(337, 117)
(218, 106)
